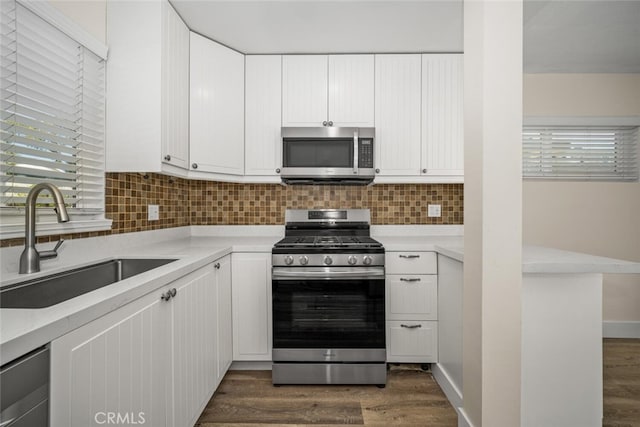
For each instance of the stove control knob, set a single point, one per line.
(352, 260)
(288, 260)
(366, 260)
(304, 260)
(328, 260)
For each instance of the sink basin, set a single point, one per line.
(50, 290)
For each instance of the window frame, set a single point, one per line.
(12, 218)
(585, 122)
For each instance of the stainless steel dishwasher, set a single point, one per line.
(24, 390)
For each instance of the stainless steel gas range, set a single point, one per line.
(328, 300)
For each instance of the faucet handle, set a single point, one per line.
(52, 253)
(57, 246)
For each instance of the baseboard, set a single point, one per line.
(622, 329)
(463, 419)
(251, 366)
(448, 387)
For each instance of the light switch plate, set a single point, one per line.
(153, 212)
(434, 211)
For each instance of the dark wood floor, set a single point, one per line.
(247, 398)
(621, 383)
(411, 398)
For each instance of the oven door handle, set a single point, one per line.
(356, 273)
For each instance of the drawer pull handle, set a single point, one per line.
(412, 279)
(409, 256)
(411, 326)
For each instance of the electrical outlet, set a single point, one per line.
(153, 212)
(434, 211)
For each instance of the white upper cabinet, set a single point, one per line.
(351, 90)
(175, 90)
(304, 90)
(397, 114)
(442, 126)
(263, 117)
(216, 108)
(334, 90)
(148, 88)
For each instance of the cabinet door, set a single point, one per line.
(263, 115)
(133, 99)
(442, 126)
(351, 89)
(304, 90)
(412, 341)
(216, 107)
(397, 117)
(223, 312)
(409, 262)
(119, 363)
(175, 89)
(412, 297)
(251, 307)
(194, 325)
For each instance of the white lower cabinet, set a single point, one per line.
(224, 318)
(153, 361)
(251, 295)
(412, 341)
(196, 347)
(411, 307)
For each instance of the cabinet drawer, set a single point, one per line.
(411, 263)
(411, 297)
(412, 341)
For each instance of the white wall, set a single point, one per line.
(493, 213)
(91, 15)
(596, 218)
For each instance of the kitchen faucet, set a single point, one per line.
(30, 258)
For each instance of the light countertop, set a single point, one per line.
(22, 330)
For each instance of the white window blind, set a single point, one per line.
(52, 113)
(600, 153)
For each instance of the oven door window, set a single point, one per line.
(318, 153)
(328, 313)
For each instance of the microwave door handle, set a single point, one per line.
(355, 151)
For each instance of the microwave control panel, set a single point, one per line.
(365, 153)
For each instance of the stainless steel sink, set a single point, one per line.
(56, 288)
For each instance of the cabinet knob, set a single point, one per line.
(330, 123)
(173, 292)
(324, 123)
(194, 166)
(424, 171)
(166, 296)
(167, 158)
(217, 266)
(278, 170)
(377, 170)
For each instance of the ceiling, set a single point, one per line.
(560, 36)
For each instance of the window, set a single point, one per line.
(52, 116)
(599, 153)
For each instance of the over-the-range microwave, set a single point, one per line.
(327, 155)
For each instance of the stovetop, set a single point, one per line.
(327, 231)
(324, 241)
(327, 245)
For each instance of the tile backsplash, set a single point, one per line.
(185, 202)
(265, 204)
